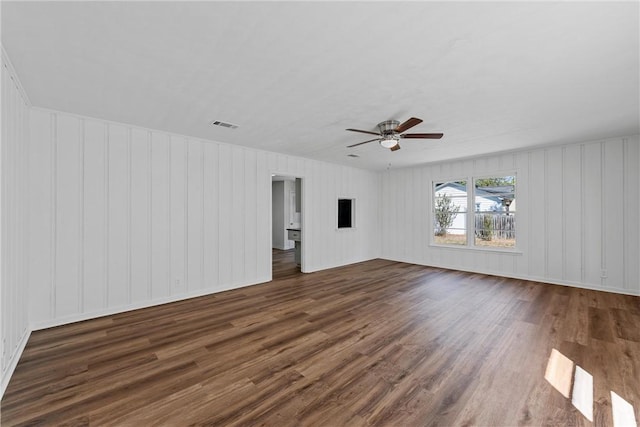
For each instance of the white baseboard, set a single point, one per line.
(15, 358)
(50, 323)
(540, 279)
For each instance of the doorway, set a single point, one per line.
(286, 226)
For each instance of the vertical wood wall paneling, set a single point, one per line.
(544, 208)
(202, 220)
(210, 215)
(425, 208)
(203, 283)
(405, 194)
(53, 215)
(185, 230)
(10, 289)
(593, 213)
(613, 215)
(603, 216)
(178, 220)
(523, 211)
(631, 156)
(564, 213)
(572, 190)
(129, 217)
(25, 328)
(330, 221)
(81, 183)
(325, 220)
(419, 236)
(4, 357)
(6, 288)
(149, 217)
(40, 195)
(105, 239)
(67, 219)
(14, 220)
(537, 227)
(140, 216)
(95, 216)
(236, 241)
(263, 217)
(195, 216)
(554, 212)
(118, 216)
(250, 210)
(160, 215)
(507, 163)
(225, 225)
(583, 198)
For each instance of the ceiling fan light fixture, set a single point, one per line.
(389, 142)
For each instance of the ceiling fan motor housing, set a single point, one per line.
(388, 127)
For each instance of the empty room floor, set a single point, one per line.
(374, 343)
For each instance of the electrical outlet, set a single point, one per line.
(603, 274)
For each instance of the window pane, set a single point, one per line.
(495, 207)
(449, 213)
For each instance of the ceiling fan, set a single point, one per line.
(391, 133)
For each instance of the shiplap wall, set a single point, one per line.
(14, 322)
(125, 217)
(577, 215)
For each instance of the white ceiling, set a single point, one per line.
(293, 75)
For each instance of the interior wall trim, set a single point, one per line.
(12, 72)
(40, 325)
(8, 373)
(529, 278)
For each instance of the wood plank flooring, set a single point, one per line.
(377, 343)
(284, 264)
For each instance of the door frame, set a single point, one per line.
(303, 219)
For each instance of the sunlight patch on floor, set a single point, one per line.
(559, 372)
(582, 396)
(623, 415)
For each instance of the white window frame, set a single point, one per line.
(432, 212)
(470, 213)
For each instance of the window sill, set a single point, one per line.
(508, 251)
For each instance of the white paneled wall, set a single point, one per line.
(14, 323)
(577, 215)
(125, 217)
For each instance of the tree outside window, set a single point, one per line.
(450, 212)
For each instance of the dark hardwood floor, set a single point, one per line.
(283, 264)
(375, 343)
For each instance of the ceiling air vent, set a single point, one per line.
(223, 124)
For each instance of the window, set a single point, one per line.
(491, 221)
(450, 212)
(346, 213)
(495, 219)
